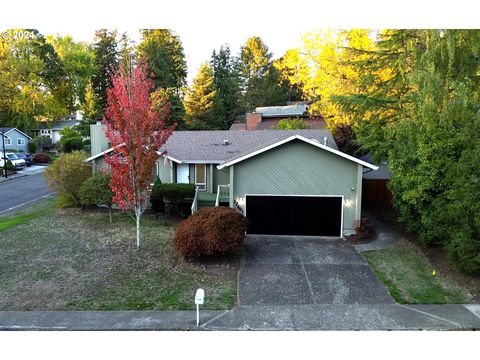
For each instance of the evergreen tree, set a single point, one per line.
(260, 80)
(126, 53)
(106, 61)
(163, 53)
(176, 115)
(227, 85)
(200, 100)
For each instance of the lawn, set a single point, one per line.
(72, 259)
(410, 278)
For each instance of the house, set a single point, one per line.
(293, 182)
(52, 130)
(267, 118)
(376, 194)
(15, 139)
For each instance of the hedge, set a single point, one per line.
(174, 193)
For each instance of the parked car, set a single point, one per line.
(27, 157)
(13, 158)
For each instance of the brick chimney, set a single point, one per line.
(253, 119)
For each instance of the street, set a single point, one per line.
(19, 192)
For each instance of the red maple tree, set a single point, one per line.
(136, 133)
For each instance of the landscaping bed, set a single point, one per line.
(73, 259)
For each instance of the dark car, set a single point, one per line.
(27, 157)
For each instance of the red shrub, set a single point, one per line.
(210, 231)
(41, 158)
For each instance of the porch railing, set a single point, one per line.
(223, 192)
(195, 201)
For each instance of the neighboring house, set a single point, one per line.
(285, 182)
(52, 129)
(376, 194)
(15, 139)
(267, 118)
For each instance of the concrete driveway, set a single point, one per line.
(294, 270)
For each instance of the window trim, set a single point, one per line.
(21, 142)
(8, 141)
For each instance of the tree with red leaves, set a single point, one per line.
(136, 133)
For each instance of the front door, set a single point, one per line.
(201, 176)
(182, 173)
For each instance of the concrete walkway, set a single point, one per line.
(294, 317)
(386, 237)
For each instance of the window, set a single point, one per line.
(201, 176)
(20, 141)
(8, 141)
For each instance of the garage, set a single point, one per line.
(294, 215)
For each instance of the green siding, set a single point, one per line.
(220, 177)
(98, 141)
(298, 168)
(163, 171)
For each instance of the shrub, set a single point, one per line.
(96, 191)
(156, 198)
(464, 251)
(32, 147)
(65, 201)
(41, 158)
(210, 231)
(69, 144)
(67, 174)
(42, 142)
(175, 194)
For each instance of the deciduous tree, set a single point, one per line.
(136, 133)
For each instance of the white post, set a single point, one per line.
(199, 299)
(198, 315)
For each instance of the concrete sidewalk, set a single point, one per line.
(295, 317)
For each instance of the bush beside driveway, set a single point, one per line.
(73, 259)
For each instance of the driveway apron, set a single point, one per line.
(294, 270)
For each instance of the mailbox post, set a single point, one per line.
(199, 300)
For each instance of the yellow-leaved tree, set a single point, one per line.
(322, 67)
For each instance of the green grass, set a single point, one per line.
(24, 216)
(410, 278)
(73, 259)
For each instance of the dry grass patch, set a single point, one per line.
(72, 259)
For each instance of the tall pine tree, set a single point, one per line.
(260, 80)
(105, 49)
(163, 52)
(227, 86)
(200, 100)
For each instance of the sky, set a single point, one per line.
(207, 24)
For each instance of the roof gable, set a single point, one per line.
(273, 145)
(6, 130)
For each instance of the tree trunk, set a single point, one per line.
(110, 213)
(138, 230)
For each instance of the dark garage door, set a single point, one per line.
(294, 215)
